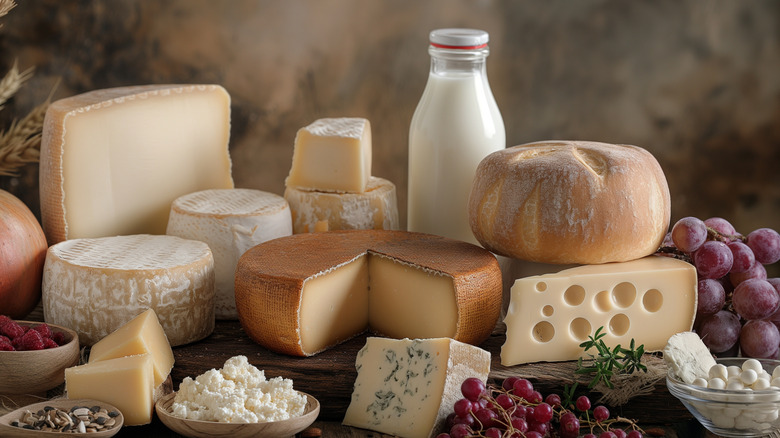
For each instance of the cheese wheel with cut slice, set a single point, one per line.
(230, 221)
(302, 294)
(570, 202)
(113, 160)
(374, 209)
(94, 286)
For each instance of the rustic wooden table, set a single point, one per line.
(329, 377)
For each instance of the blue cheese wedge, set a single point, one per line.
(688, 357)
(407, 387)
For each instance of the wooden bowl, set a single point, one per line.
(32, 372)
(209, 429)
(8, 431)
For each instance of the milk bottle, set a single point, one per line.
(456, 124)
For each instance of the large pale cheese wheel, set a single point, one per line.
(94, 286)
(374, 209)
(230, 221)
(113, 160)
(570, 202)
(302, 294)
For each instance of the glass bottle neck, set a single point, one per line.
(457, 61)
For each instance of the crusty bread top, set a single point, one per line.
(570, 202)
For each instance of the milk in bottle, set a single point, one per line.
(456, 124)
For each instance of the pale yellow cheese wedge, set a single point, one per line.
(647, 300)
(126, 382)
(332, 155)
(113, 160)
(142, 334)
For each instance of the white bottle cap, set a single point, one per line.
(459, 38)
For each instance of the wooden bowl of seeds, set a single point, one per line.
(55, 417)
(37, 371)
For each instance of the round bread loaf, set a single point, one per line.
(570, 202)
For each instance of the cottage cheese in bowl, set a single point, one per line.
(237, 393)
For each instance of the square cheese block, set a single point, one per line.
(304, 293)
(142, 334)
(94, 286)
(113, 160)
(374, 209)
(408, 387)
(647, 300)
(230, 221)
(332, 155)
(126, 382)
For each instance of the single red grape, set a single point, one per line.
(600, 413)
(765, 243)
(689, 233)
(582, 403)
(472, 388)
(720, 331)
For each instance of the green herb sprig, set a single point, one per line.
(608, 362)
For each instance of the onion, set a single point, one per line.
(22, 254)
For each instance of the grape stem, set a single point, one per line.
(713, 234)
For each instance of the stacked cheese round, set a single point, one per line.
(301, 294)
(374, 209)
(230, 221)
(330, 186)
(94, 286)
(570, 202)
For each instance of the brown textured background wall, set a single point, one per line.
(697, 83)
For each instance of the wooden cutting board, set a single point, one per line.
(329, 376)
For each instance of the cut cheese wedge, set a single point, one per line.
(94, 286)
(142, 334)
(230, 221)
(304, 293)
(126, 383)
(647, 300)
(332, 155)
(113, 160)
(407, 387)
(374, 209)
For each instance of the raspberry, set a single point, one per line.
(6, 346)
(49, 343)
(32, 340)
(11, 329)
(43, 329)
(58, 337)
(4, 339)
(4, 319)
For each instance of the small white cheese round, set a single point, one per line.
(748, 376)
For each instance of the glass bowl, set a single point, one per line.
(731, 413)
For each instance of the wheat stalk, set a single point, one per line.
(12, 82)
(5, 7)
(20, 143)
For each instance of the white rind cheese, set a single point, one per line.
(374, 209)
(230, 221)
(332, 155)
(688, 357)
(113, 160)
(94, 286)
(408, 387)
(550, 315)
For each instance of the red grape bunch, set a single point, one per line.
(517, 410)
(739, 307)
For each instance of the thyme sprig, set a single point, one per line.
(607, 362)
